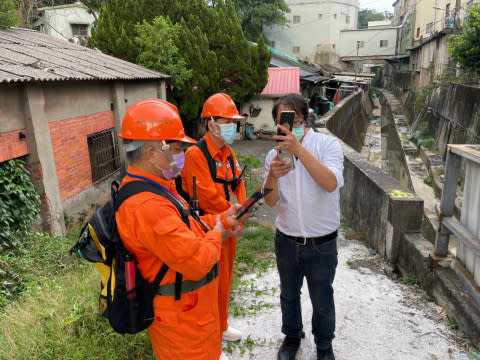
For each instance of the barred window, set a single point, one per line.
(104, 155)
(79, 29)
(383, 43)
(296, 19)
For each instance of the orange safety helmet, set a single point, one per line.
(154, 120)
(220, 105)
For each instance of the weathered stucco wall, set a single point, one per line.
(11, 108)
(452, 113)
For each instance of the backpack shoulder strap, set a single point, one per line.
(212, 166)
(138, 186)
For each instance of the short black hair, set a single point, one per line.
(294, 101)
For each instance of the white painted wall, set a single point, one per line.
(264, 120)
(57, 20)
(313, 30)
(371, 40)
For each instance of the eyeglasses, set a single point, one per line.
(298, 123)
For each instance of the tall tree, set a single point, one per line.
(366, 15)
(8, 14)
(465, 48)
(208, 44)
(254, 14)
(158, 49)
(240, 75)
(115, 32)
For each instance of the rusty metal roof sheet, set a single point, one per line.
(27, 55)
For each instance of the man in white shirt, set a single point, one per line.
(307, 201)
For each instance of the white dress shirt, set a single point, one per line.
(304, 208)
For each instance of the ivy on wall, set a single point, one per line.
(19, 202)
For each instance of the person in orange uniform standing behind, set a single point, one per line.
(217, 184)
(186, 324)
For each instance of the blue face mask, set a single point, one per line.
(228, 132)
(299, 132)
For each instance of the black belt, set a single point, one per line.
(312, 241)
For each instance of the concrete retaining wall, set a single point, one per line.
(378, 205)
(348, 119)
(371, 200)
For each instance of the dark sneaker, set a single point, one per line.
(289, 348)
(325, 354)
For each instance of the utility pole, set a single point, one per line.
(355, 65)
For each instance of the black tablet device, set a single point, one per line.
(257, 195)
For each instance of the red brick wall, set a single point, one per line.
(11, 146)
(70, 148)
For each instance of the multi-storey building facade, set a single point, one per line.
(313, 31)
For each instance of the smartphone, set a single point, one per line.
(286, 120)
(247, 205)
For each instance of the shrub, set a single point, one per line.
(19, 202)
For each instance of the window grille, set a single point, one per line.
(383, 43)
(429, 29)
(104, 155)
(296, 19)
(79, 29)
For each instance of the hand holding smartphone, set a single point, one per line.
(286, 120)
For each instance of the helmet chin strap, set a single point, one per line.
(173, 164)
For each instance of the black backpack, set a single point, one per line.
(128, 312)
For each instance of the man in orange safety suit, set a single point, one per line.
(186, 324)
(214, 165)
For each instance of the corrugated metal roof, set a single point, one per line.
(27, 55)
(282, 81)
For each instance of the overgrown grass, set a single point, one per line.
(254, 255)
(57, 317)
(55, 314)
(423, 138)
(254, 250)
(36, 258)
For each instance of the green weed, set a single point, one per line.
(410, 279)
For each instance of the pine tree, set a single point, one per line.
(208, 52)
(158, 50)
(243, 66)
(115, 32)
(8, 14)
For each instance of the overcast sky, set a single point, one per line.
(378, 5)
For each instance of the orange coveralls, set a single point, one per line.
(211, 198)
(152, 229)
